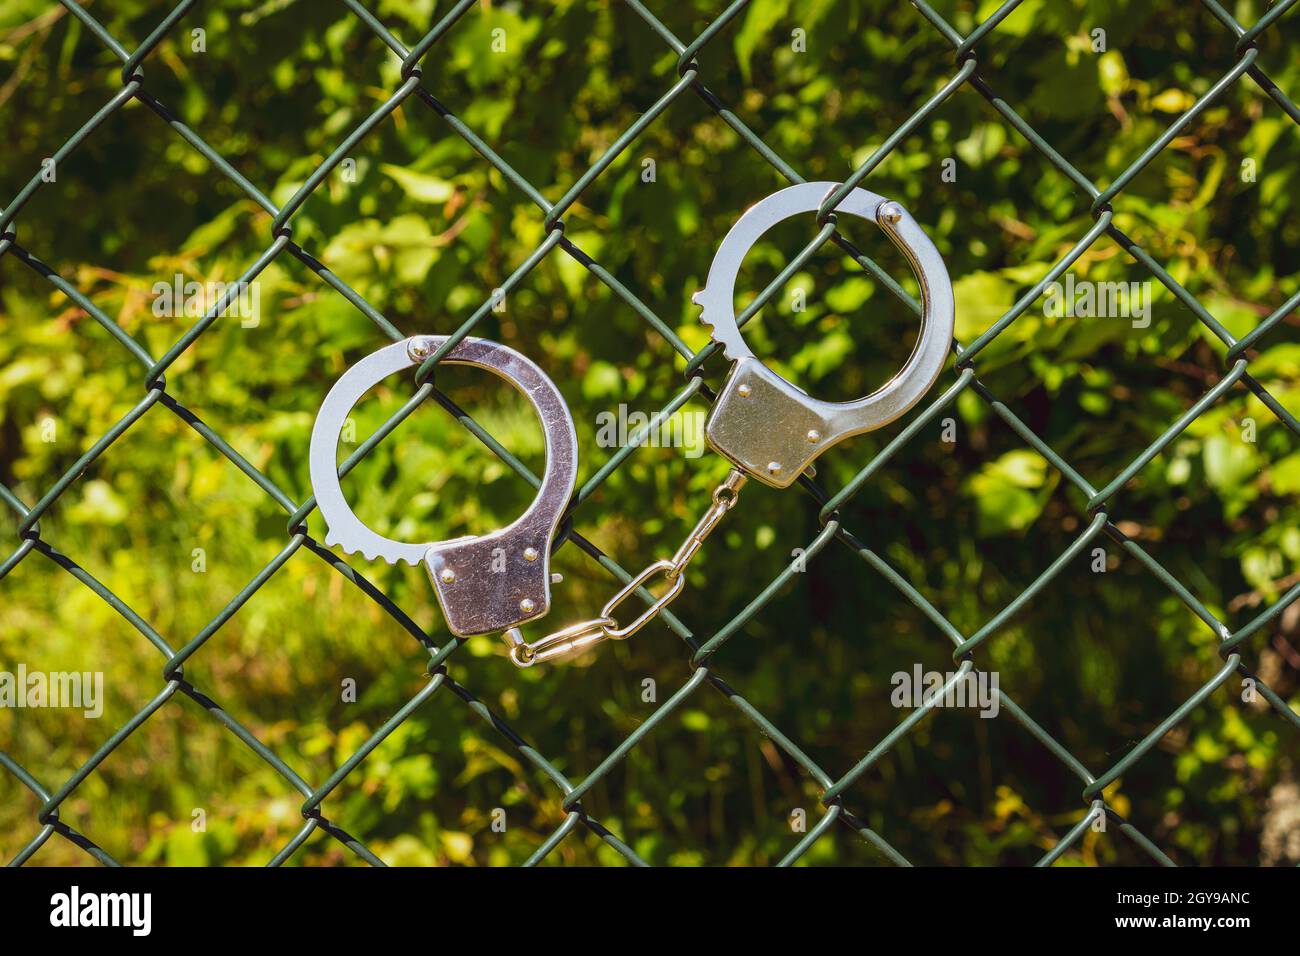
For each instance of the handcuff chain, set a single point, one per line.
(578, 637)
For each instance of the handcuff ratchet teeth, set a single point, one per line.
(486, 583)
(766, 426)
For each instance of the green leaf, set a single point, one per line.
(850, 294)
(982, 144)
(1284, 476)
(762, 17)
(1006, 492)
(696, 720)
(1022, 468)
(1112, 72)
(602, 380)
(1229, 464)
(1002, 507)
(422, 187)
(99, 504)
(981, 297)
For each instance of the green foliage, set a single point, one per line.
(426, 230)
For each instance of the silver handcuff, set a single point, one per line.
(766, 427)
(488, 583)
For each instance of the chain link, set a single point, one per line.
(579, 637)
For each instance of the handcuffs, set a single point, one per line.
(768, 429)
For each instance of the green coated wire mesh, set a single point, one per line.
(967, 72)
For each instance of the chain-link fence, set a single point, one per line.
(704, 650)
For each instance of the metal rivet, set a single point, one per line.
(814, 436)
(527, 605)
(530, 554)
(447, 575)
(891, 212)
(774, 468)
(419, 349)
(557, 577)
(742, 390)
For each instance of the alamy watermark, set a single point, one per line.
(79, 690)
(133, 911)
(922, 688)
(188, 297)
(1085, 299)
(681, 429)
